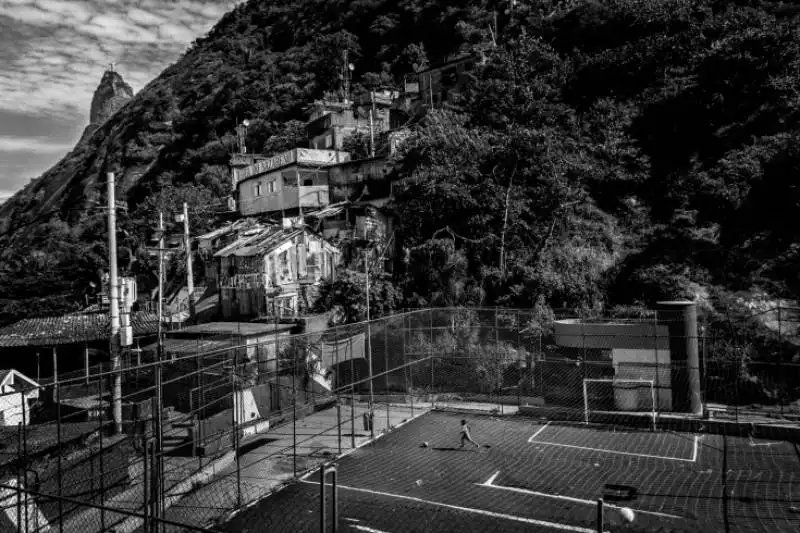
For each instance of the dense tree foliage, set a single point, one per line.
(606, 152)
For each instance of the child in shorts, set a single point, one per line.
(465, 435)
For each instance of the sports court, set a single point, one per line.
(545, 476)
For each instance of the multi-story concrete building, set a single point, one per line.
(287, 183)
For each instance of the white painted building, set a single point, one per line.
(17, 393)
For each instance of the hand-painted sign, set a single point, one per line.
(301, 156)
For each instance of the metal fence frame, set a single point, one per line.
(421, 359)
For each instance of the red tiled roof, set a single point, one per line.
(69, 329)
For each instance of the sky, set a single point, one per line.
(53, 54)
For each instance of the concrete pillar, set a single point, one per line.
(680, 317)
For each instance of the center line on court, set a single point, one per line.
(492, 514)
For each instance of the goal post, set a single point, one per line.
(620, 396)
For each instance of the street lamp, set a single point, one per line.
(243, 136)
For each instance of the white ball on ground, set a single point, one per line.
(627, 514)
(425, 444)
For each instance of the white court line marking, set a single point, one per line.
(491, 479)
(538, 431)
(492, 514)
(367, 529)
(632, 454)
(490, 484)
(753, 444)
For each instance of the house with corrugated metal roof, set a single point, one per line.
(67, 344)
(272, 270)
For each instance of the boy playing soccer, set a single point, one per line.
(465, 436)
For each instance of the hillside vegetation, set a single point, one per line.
(606, 153)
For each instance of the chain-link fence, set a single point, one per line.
(225, 419)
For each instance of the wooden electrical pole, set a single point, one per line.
(159, 407)
(189, 273)
(113, 300)
(371, 124)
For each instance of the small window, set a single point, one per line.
(308, 182)
(271, 186)
(328, 141)
(257, 189)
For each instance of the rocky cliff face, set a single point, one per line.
(109, 97)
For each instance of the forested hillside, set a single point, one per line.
(606, 153)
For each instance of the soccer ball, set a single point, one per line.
(627, 514)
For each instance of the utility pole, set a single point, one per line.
(371, 124)
(113, 300)
(159, 407)
(189, 274)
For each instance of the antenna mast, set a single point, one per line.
(347, 68)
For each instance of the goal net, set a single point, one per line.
(617, 397)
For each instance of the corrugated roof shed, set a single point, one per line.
(329, 211)
(259, 241)
(69, 329)
(228, 228)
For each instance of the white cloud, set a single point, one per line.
(33, 15)
(54, 53)
(73, 11)
(32, 145)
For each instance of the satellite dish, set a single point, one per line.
(351, 67)
(245, 123)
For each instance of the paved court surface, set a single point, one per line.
(539, 476)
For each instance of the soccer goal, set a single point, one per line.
(620, 396)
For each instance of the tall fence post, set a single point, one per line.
(386, 368)
(322, 518)
(430, 354)
(524, 375)
(352, 402)
(20, 428)
(499, 392)
(780, 359)
(294, 408)
(145, 486)
(336, 385)
(102, 462)
(58, 436)
(195, 403)
(408, 370)
(25, 421)
(540, 363)
(237, 407)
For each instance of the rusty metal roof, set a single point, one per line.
(71, 328)
(259, 242)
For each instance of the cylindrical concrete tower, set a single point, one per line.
(680, 317)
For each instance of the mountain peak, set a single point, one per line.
(112, 93)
